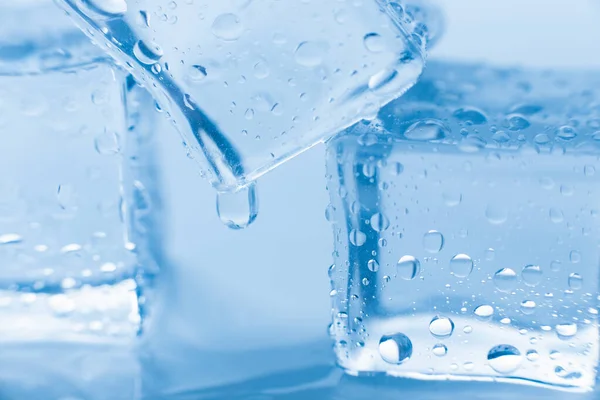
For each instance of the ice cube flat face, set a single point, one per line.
(253, 83)
(466, 230)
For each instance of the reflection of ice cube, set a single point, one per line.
(466, 221)
(254, 83)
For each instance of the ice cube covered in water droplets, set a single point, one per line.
(251, 84)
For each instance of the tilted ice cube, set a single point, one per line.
(252, 83)
(466, 225)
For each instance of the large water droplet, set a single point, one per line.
(528, 307)
(505, 280)
(532, 355)
(532, 275)
(461, 265)
(441, 327)
(496, 214)
(433, 241)
(426, 130)
(310, 54)
(239, 209)
(484, 312)
(470, 115)
(227, 27)
(395, 349)
(408, 267)
(504, 358)
(373, 265)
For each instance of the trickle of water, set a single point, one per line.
(408, 267)
(441, 327)
(395, 349)
(484, 312)
(238, 209)
(504, 358)
(433, 241)
(461, 265)
(439, 350)
(505, 280)
(532, 275)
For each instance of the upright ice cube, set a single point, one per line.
(466, 230)
(252, 83)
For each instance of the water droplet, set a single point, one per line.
(528, 307)
(532, 275)
(109, 8)
(10, 238)
(383, 80)
(441, 327)
(379, 222)
(452, 199)
(505, 280)
(373, 265)
(238, 209)
(589, 170)
(261, 70)
(61, 304)
(395, 349)
(470, 115)
(484, 312)
(357, 238)
(556, 215)
(504, 358)
(468, 329)
(517, 122)
(107, 143)
(566, 133)
(408, 267)
(433, 241)
(575, 281)
(439, 350)
(532, 355)
(398, 168)
(374, 42)
(147, 53)
(311, 54)
(197, 73)
(566, 331)
(461, 265)
(564, 374)
(575, 257)
(227, 27)
(496, 214)
(426, 130)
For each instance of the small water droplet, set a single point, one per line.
(452, 199)
(379, 222)
(408, 268)
(148, 54)
(357, 238)
(439, 350)
(484, 312)
(504, 358)
(505, 280)
(441, 327)
(238, 209)
(575, 281)
(197, 73)
(556, 215)
(395, 349)
(496, 214)
(566, 331)
(433, 242)
(532, 355)
(532, 275)
(461, 265)
(426, 130)
(311, 54)
(107, 143)
(374, 42)
(566, 133)
(227, 27)
(470, 115)
(528, 307)
(373, 265)
(575, 257)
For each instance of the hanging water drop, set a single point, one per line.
(238, 209)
